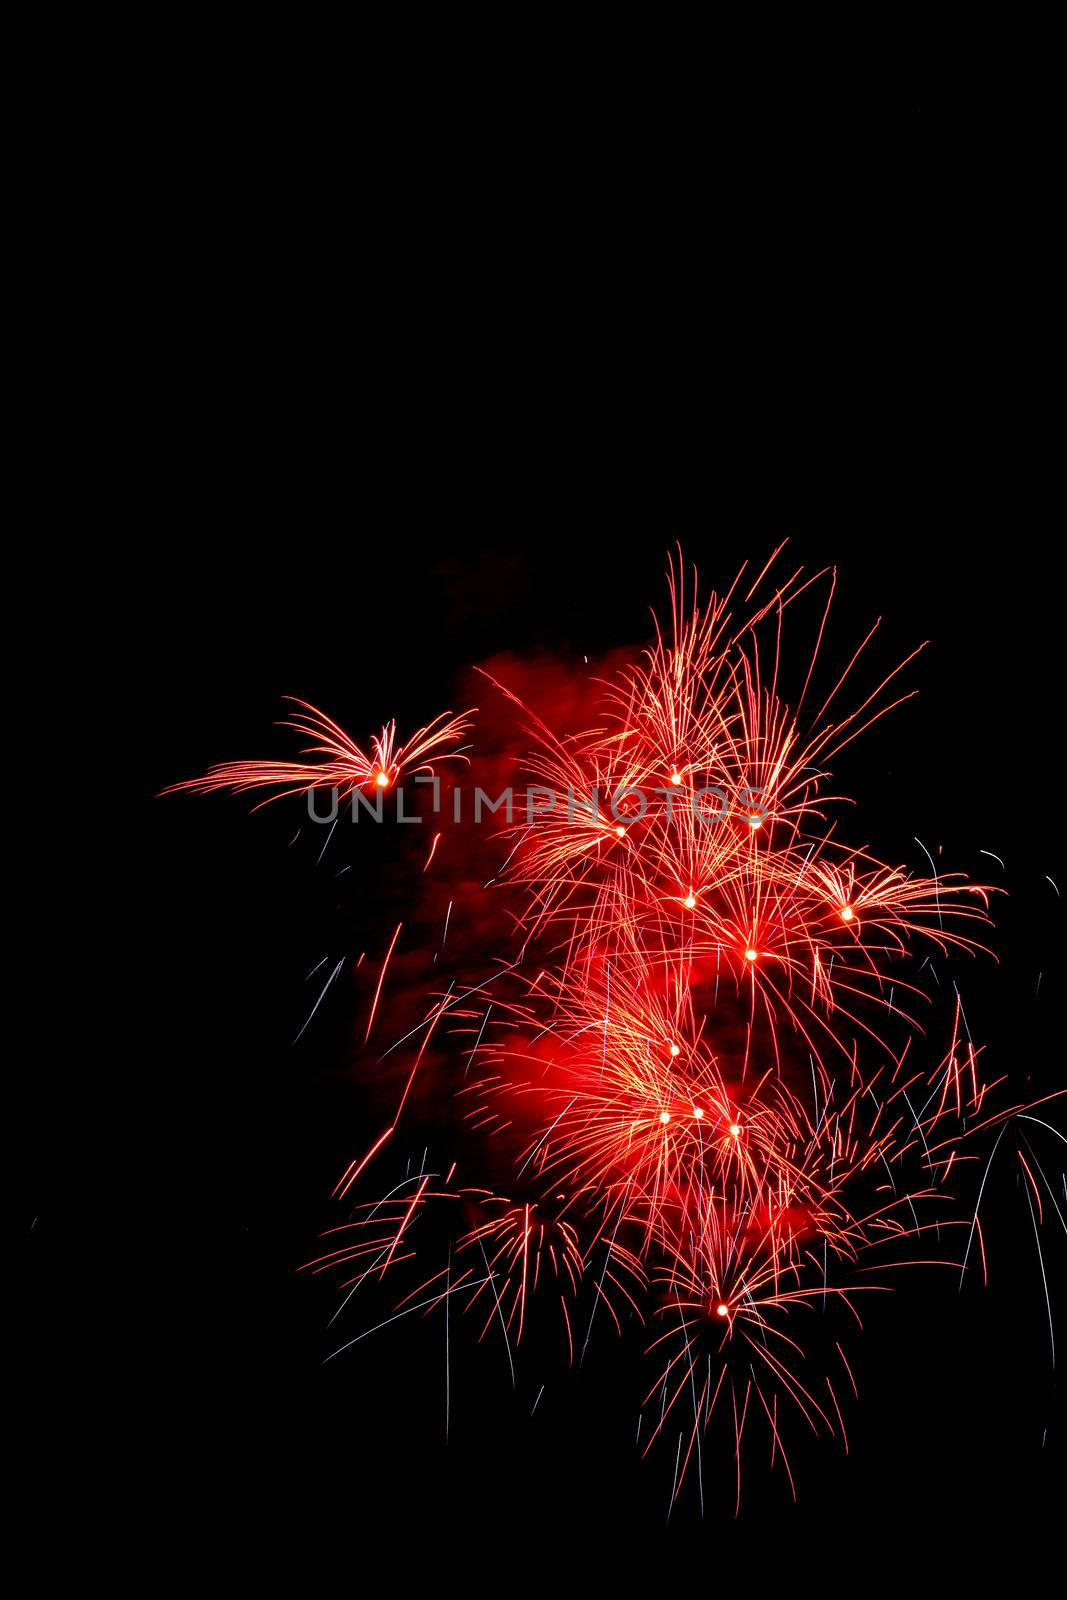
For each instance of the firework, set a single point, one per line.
(341, 764)
(701, 1090)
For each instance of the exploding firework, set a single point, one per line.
(341, 764)
(700, 1092)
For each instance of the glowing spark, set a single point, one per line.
(381, 980)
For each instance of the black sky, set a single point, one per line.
(378, 433)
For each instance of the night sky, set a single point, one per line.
(355, 499)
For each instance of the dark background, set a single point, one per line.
(385, 447)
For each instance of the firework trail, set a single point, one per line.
(697, 1093)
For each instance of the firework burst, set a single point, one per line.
(340, 763)
(701, 1090)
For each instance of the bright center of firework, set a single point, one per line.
(750, 954)
(697, 1112)
(676, 1049)
(382, 780)
(754, 822)
(690, 901)
(847, 913)
(619, 832)
(735, 1129)
(664, 1116)
(676, 778)
(722, 1309)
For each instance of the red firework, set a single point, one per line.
(341, 763)
(701, 1068)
